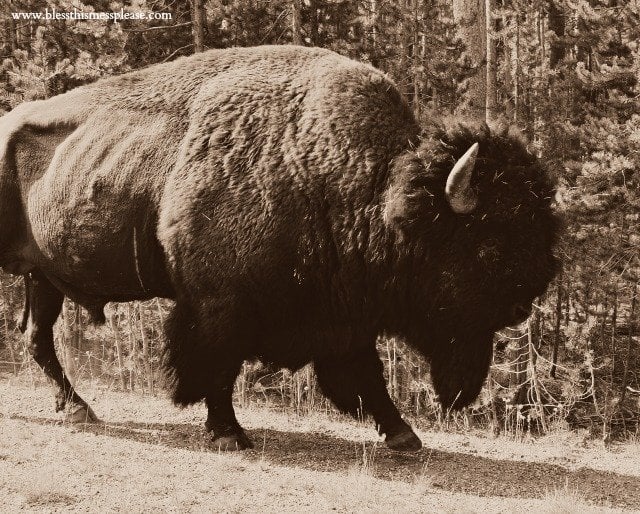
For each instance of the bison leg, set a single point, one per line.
(43, 305)
(202, 360)
(226, 432)
(355, 384)
(459, 369)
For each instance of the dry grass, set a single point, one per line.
(566, 501)
(46, 498)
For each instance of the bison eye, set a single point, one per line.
(489, 250)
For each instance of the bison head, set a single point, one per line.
(472, 212)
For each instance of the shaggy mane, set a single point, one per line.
(507, 178)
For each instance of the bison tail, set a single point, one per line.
(181, 362)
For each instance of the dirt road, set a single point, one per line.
(147, 455)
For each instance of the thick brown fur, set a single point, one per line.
(290, 203)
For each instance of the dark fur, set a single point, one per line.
(442, 281)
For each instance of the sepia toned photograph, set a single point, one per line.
(320, 256)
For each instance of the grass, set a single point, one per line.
(45, 498)
(566, 501)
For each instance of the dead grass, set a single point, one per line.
(566, 501)
(51, 499)
(149, 456)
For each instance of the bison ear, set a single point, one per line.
(458, 191)
(395, 207)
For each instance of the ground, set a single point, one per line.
(146, 456)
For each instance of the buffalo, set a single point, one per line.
(291, 205)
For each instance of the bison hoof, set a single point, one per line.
(232, 442)
(404, 442)
(80, 414)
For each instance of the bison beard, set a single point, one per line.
(288, 201)
(459, 370)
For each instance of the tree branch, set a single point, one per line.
(176, 51)
(159, 27)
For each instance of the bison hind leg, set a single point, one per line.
(183, 363)
(203, 355)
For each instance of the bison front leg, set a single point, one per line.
(42, 307)
(459, 368)
(355, 384)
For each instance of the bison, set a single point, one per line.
(291, 205)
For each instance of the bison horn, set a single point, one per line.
(460, 196)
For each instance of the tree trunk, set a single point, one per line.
(68, 339)
(492, 63)
(632, 324)
(469, 16)
(11, 28)
(537, 398)
(557, 27)
(556, 330)
(113, 322)
(146, 350)
(198, 17)
(406, 30)
(296, 22)
(313, 21)
(539, 122)
(515, 69)
(133, 344)
(518, 355)
(310, 388)
(7, 332)
(373, 21)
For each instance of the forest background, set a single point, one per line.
(565, 72)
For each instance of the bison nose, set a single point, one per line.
(519, 313)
